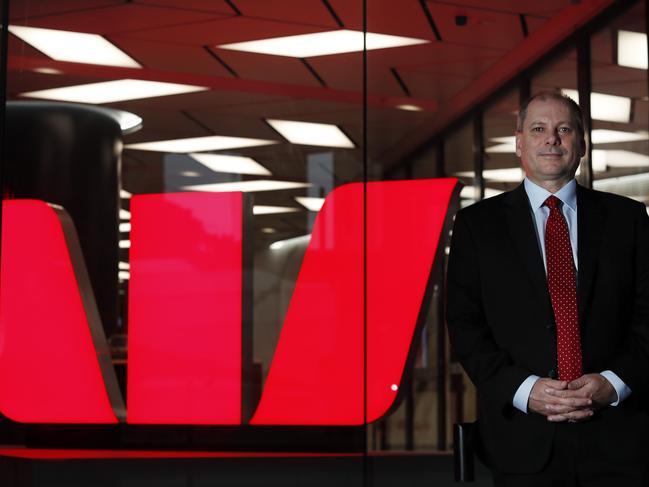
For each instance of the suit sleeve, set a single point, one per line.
(489, 366)
(632, 364)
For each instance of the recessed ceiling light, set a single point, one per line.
(322, 43)
(76, 47)
(609, 108)
(410, 108)
(632, 49)
(268, 230)
(507, 144)
(247, 186)
(310, 203)
(113, 91)
(272, 210)
(124, 214)
(290, 241)
(619, 158)
(125, 227)
(468, 192)
(507, 175)
(190, 174)
(231, 164)
(308, 133)
(124, 244)
(199, 144)
(125, 195)
(124, 266)
(604, 136)
(47, 70)
(124, 275)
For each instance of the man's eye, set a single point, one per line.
(537, 129)
(565, 130)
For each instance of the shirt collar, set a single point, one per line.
(537, 195)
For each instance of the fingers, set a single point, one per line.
(577, 383)
(568, 405)
(555, 384)
(568, 394)
(574, 416)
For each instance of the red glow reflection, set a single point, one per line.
(317, 373)
(48, 366)
(185, 309)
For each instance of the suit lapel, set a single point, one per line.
(590, 227)
(523, 234)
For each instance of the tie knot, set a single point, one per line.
(552, 202)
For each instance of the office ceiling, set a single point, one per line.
(474, 46)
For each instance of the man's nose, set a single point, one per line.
(553, 138)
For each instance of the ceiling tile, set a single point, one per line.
(484, 28)
(126, 17)
(22, 10)
(214, 32)
(546, 8)
(311, 12)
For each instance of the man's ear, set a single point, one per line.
(518, 143)
(582, 151)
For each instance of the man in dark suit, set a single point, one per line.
(548, 312)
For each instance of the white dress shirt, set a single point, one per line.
(568, 196)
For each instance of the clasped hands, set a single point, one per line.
(560, 400)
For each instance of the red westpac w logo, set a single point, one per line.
(332, 365)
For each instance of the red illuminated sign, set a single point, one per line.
(333, 365)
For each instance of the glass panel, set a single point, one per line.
(559, 74)
(406, 231)
(459, 161)
(619, 106)
(502, 169)
(224, 301)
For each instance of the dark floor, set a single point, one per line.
(233, 470)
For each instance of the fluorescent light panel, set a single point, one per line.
(308, 133)
(47, 71)
(609, 108)
(619, 159)
(124, 266)
(632, 49)
(231, 164)
(124, 214)
(113, 91)
(124, 194)
(322, 43)
(200, 144)
(290, 241)
(506, 175)
(468, 192)
(125, 227)
(247, 186)
(124, 244)
(507, 144)
(410, 108)
(605, 136)
(272, 210)
(123, 275)
(310, 203)
(76, 47)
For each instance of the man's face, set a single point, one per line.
(549, 145)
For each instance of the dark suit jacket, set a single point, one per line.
(501, 323)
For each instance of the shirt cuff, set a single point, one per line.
(618, 384)
(522, 395)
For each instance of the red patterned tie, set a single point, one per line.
(563, 291)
